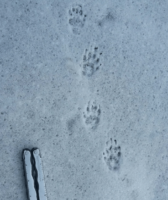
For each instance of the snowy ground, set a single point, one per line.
(87, 83)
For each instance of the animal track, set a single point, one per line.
(76, 18)
(112, 155)
(91, 61)
(92, 115)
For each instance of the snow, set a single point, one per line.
(86, 83)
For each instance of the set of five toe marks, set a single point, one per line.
(76, 18)
(112, 155)
(91, 61)
(91, 115)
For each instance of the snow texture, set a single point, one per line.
(87, 83)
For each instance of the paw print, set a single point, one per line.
(91, 62)
(92, 115)
(112, 155)
(76, 18)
